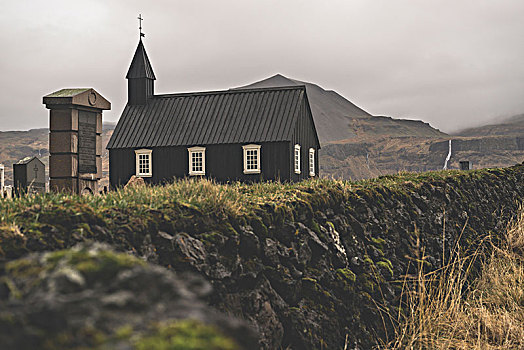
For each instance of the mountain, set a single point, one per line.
(367, 158)
(489, 146)
(338, 119)
(513, 126)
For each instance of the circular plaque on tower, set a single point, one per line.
(91, 98)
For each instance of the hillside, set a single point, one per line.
(336, 118)
(368, 157)
(310, 265)
(513, 126)
(359, 158)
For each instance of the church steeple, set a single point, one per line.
(140, 78)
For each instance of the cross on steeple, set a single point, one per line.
(140, 19)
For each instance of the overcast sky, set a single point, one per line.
(452, 63)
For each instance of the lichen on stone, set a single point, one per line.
(184, 335)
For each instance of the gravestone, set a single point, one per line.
(29, 176)
(465, 165)
(8, 191)
(75, 139)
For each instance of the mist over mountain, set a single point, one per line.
(503, 127)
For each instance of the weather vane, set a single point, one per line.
(140, 19)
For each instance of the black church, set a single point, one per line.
(239, 134)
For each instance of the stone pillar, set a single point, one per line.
(75, 139)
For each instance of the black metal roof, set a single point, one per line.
(203, 118)
(140, 66)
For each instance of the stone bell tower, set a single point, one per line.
(75, 139)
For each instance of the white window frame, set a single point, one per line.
(311, 162)
(141, 152)
(296, 159)
(247, 148)
(191, 151)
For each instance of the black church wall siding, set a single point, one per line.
(122, 165)
(303, 135)
(168, 163)
(224, 162)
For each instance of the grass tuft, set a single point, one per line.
(447, 310)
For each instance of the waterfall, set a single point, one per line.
(448, 156)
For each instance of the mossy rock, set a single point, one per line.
(380, 243)
(259, 228)
(12, 242)
(99, 299)
(346, 275)
(386, 265)
(99, 266)
(185, 335)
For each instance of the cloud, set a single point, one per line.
(451, 63)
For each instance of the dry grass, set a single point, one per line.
(447, 311)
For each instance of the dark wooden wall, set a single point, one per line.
(304, 135)
(223, 163)
(139, 90)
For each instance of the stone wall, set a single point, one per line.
(312, 274)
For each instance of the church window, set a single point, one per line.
(311, 162)
(297, 159)
(144, 163)
(197, 160)
(251, 159)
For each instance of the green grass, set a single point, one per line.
(185, 335)
(210, 197)
(58, 220)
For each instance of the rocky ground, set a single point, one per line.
(92, 297)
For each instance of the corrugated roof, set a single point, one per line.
(232, 116)
(140, 66)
